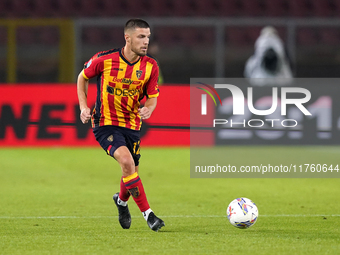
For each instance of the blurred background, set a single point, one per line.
(57, 201)
(49, 40)
(45, 43)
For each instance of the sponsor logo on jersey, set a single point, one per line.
(126, 81)
(123, 92)
(89, 63)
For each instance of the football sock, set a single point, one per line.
(134, 185)
(124, 194)
(146, 214)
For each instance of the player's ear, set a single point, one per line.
(127, 38)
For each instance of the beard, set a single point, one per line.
(139, 51)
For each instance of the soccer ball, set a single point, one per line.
(242, 212)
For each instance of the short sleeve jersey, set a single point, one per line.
(120, 87)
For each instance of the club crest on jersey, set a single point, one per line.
(139, 73)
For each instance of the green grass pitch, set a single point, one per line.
(59, 201)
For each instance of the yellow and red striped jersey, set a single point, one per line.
(120, 87)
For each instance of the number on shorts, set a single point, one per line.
(136, 147)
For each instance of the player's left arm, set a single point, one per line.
(149, 106)
(152, 92)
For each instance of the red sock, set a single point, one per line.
(134, 184)
(124, 194)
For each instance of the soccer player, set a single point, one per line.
(124, 77)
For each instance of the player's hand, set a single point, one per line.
(144, 112)
(85, 115)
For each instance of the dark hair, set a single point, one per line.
(134, 23)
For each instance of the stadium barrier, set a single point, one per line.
(48, 115)
(305, 112)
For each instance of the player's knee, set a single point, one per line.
(127, 164)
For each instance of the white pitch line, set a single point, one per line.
(302, 215)
(165, 216)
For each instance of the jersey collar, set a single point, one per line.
(121, 54)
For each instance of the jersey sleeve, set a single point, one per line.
(152, 89)
(93, 67)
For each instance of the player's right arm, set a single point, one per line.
(91, 69)
(82, 88)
